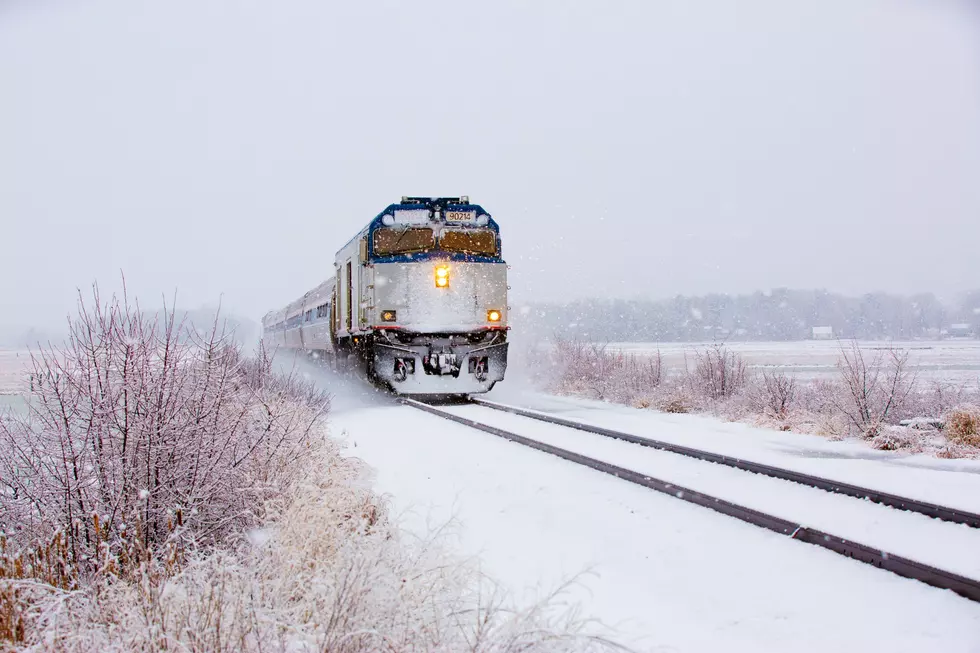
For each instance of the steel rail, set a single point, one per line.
(884, 498)
(961, 585)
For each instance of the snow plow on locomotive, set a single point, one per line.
(418, 298)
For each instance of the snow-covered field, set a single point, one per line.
(950, 360)
(668, 575)
(13, 369)
(13, 366)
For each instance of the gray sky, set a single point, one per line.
(228, 148)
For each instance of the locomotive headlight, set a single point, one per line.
(493, 315)
(442, 276)
(389, 316)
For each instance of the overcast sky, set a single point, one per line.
(226, 149)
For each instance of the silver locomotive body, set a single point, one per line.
(419, 298)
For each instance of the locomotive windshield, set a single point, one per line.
(402, 241)
(477, 242)
(482, 242)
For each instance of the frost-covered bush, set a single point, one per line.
(962, 426)
(872, 391)
(719, 373)
(936, 398)
(778, 393)
(591, 370)
(676, 399)
(893, 438)
(145, 438)
(869, 397)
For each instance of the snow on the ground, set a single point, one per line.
(670, 576)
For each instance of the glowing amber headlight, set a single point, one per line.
(389, 316)
(442, 276)
(493, 315)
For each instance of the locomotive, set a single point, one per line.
(418, 300)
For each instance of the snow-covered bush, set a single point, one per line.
(139, 438)
(675, 399)
(962, 426)
(869, 397)
(936, 398)
(589, 369)
(893, 438)
(873, 390)
(718, 372)
(778, 393)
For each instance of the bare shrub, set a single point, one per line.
(963, 426)
(590, 369)
(583, 367)
(144, 437)
(718, 372)
(779, 393)
(872, 390)
(937, 398)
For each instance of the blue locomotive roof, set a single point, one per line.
(431, 204)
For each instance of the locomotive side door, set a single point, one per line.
(348, 305)
(365, 285)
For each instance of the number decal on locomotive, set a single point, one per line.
(460, 216)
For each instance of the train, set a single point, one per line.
(417, 300)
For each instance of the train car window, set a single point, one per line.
(482, 242)
(401, 241)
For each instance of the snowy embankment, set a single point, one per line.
(669, 575)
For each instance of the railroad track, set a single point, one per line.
(837, 487)
(874, 556)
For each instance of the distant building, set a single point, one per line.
(823, 333)
(961, 330)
